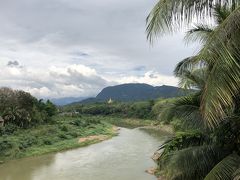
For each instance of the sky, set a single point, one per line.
(74, 48)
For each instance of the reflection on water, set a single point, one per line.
(125, 157)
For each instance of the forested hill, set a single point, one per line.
(135, 92)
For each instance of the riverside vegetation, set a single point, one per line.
(34, 127)
(207, 140)
(207, 123)
(50, 129)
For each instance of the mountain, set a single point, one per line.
(135, 92)
(66, 100)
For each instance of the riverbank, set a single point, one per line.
(157, 130)
(63, 133)
(125, 156)
(130, 123)
(66, 133)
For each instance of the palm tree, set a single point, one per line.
(220, 50)
(200, 153)
(206, 153)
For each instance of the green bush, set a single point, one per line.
(8, 129)
(73, 134)
(2, 131)
(5, 145)
(64, 128)
(28, 142)
(47, 142)
(78, 122)
(63, 136)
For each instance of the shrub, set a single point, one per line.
(74, 134)
(47, 142)
(79, 122)
(28, 142)
(9, 128)
(64, 128)
(63, 136)
(5, 145)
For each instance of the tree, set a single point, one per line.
(220, 51)
(22, 109)
(50, 108)
(215, 71)
(212, 149)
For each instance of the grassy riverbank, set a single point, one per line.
(129, 122)
(62, 134)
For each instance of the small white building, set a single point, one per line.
(110, 101)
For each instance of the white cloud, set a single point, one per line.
(72, 70)
(152, 78)
(72, 80)
(62, 48)
(40, 92)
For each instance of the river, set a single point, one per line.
(124, 157)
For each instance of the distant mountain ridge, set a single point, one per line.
(66, 100)
(135, 92)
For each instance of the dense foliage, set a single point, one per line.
(32, 126)
(212, 150)
(64, 133)
(21, 110)
(142, 110)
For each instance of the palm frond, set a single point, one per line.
(193, 162)
(224, 169)
(221, 52)
(172, 15)
(183, 140)
(236, 174)
(186, 109)
(200, 33)
(221, 12)
(188, 64)
(194, 79)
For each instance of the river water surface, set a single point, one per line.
(125, 157)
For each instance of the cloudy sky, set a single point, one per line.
(62, 48)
